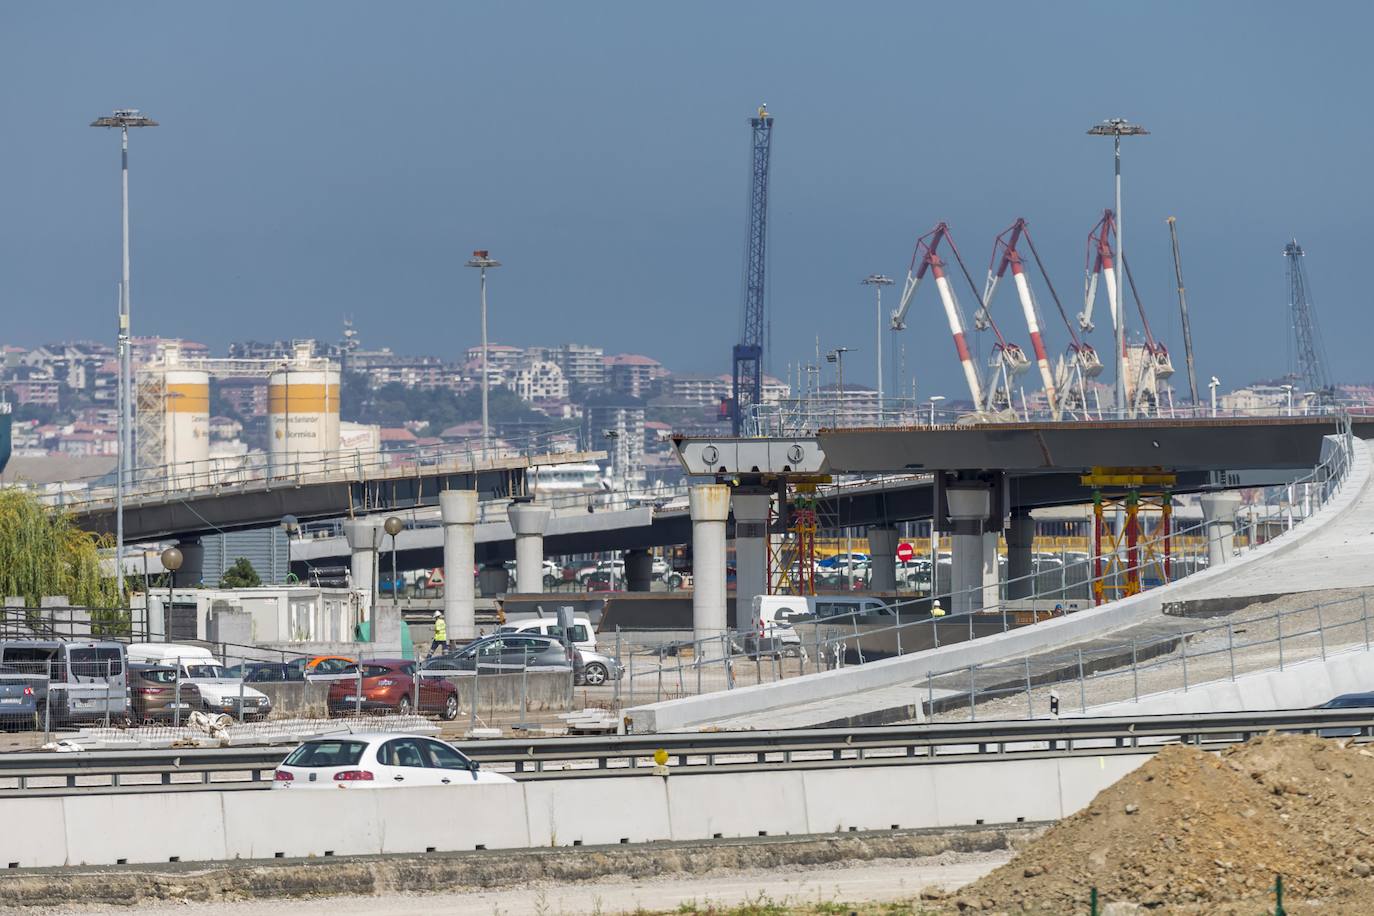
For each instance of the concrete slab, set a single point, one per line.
(737, 804)
(597, 811)
(163, 827)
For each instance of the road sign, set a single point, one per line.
(905, 551)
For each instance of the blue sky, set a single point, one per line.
(318, 159)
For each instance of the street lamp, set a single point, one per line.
(1116, 128)
(933, 399)
(1288, 390)
(123, 118)
(393, 526)
(1212, 385)
(482, 260)
(878, 281)
(836, 356)
(171, 561)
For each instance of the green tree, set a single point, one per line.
(240, 575)
(43, 553)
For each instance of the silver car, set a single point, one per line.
(597, 669)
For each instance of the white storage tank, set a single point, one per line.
(186, 423)
(303, 415)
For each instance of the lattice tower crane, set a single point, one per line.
(1309, 355)
(747, 356)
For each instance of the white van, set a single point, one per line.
(772, 620)
(583, 635)
(219, 692)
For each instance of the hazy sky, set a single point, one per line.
(326, 158)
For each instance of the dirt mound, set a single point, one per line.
(1191, 832)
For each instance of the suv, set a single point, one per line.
(153, 694)
(505, 653)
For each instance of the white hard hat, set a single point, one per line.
(438, 613)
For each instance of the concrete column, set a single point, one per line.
(882, 554)
(192, 571)
(992, 580)
(639, 571)
(750, 506)
(1020, 561)
(529, 523)
(969, 505)
(710, 506)
(493, 579)
(1219, 512)
(364, 537)
(458, 509)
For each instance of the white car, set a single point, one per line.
(380, 760)
(219, 693)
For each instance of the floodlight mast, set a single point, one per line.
(124, 118)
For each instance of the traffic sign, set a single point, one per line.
(905, 551)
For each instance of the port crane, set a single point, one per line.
(746, 388)
(1008, 359)
(1309, 355)
(1155, 363)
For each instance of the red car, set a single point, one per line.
(388, 685)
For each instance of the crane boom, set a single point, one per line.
(1006, 243)
(1310, 355)
(1100, 261)
(747, 355)
(1183, 310)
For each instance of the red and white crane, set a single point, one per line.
(1007, 356)
(1100, 261)
(1005, 244)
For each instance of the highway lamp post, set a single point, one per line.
(836, 356)
(934, 398)
(123, 118)
(481, 259)
(617, 465)
(878, 281)
(1212, 386)
(393, 526)
(1288, 390)
(1116, 128)
(290, 525)
(1307, 398)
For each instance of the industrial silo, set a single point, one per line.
(302, 415)
(186, 421)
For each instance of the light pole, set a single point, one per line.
(1212, 385)
(1116, 128)
(393, 526)
(1288, 390)
(171, 561)
(836, 356)
(618, 461)
(123, 118)
(878, 281)
(290, 525)
(481, 259)
(933, 399)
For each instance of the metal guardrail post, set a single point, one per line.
(109, 673)
(1030, 701)
(619, 671)
(1278, 626)
(1321, 630)
(972, 695)
(1183, 650)
(1135, 671)
(1231, 648)
(930, 695)
(1082, 684)
(176, 711)
(1364, 605)
(358, 690)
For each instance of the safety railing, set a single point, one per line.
(187, 478)
(185, 769)
(1058, 683)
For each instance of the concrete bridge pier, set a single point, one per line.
(750, 505)
(529, 522)
(882, 553)
(364, 538)
(458, 509)
(969, 505)
(710, 507)
(1020, 560)
(639, 570)
(1219, 514)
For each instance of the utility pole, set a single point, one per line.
(878, 281)
(1116, 128)
(1183, 310)
(124, 118)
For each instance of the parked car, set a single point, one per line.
(74, 680)
(18, 700)
(602, 567)
(583, 635)
(325, 667)
(219, 693)
(597, 669)
(154, 697)
(266, 672)
(660, 569)
(505, 653)
(379, 761)
(389, 684)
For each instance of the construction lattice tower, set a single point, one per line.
(747, 376)
(1309, 366)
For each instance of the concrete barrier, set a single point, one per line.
(296, 699)
(538, 690)
(692, 712)
(215, 826)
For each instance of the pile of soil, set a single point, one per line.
(1192, 832)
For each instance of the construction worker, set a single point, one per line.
(440, 641)
(935, 609)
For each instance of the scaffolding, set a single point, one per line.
(1122, 553)
(792, 552)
